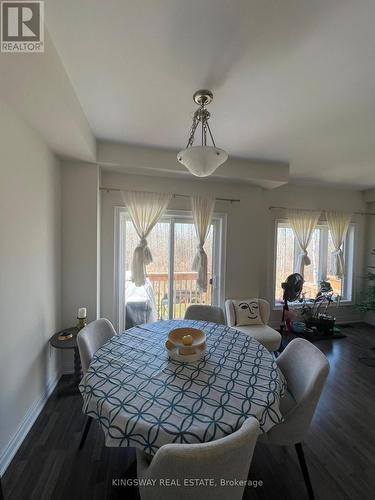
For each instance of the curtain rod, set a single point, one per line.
(174, 195)
(313, 210)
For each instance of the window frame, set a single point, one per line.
(219, 221)
(348, 246)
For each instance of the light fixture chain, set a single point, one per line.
(209, 130)
(193, 129)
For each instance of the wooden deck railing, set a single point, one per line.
(185, 293)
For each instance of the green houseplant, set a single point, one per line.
(368, 296)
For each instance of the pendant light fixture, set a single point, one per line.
(202, 160)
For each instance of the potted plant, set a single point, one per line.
(367, 303)
(315, 312)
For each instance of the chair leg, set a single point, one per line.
(305, 471)
(85, 432)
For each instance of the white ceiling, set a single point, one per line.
(293, 80)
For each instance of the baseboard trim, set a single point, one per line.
(339, 322)
(27, 422)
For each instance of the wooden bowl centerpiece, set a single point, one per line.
(186, 344)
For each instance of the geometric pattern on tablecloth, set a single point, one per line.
(141, 398)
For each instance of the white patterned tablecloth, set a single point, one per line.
(141, 398)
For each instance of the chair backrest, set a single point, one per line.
(305, 368)
(91, 338)
(264, 309)
(228, 458)
(200, 312)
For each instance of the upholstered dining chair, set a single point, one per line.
(305, 369)
(200, 312)
(89, 340)
(226, 459)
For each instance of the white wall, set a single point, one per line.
(250, 238)
(80, 248)
(39, 89)
(29, 275)
(80, 182)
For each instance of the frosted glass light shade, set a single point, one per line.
(202, 161)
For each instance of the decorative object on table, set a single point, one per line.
(66, 334)
(292, 290)
(202, 160)
(186, 344)
(82, 317)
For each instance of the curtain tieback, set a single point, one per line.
(200, 260)
(143, 243)
(305, 258)
(338, 262)
(144, 249)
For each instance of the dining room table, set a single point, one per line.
(141, 398)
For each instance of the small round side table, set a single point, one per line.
(69, 344)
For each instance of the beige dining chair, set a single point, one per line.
(305, 369)
(224, 460)
(201, 312)
(89, 340)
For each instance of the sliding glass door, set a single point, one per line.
(185, 291)
(171, 284)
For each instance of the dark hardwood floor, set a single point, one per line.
(339, 448)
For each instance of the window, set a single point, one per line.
(320, 253)
(171, 284)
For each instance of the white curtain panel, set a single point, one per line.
(338, 223)
(203, 208)
(303, 223)
(145, 209)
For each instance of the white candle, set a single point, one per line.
(82, 312)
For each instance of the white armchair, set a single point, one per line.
(264, 334)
